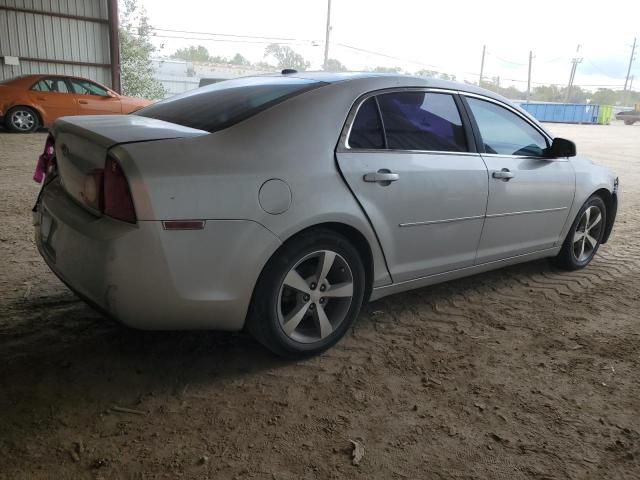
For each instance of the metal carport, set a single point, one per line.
(73, 37)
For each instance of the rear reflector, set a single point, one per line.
(183, 224)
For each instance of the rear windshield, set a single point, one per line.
(226, 103)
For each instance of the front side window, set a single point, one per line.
(366, 131)
(505, 133)
(84, 87)
(416, 120)
(53, 85)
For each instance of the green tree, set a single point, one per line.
(286, 57)
(334, 65)
(387, 70)
(435, 74)
(192, 53)
(239, 60)
(136, 69)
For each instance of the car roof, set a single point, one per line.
(367, 80)
(400, 79)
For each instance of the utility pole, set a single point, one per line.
(575, 61)
(484, 49)
(529, 77)
(633, 56)
(326, 38)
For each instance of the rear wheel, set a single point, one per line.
(308, 295)
(22, 120)
(629, 122)
(585, 235)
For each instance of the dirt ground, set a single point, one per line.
(526, 372)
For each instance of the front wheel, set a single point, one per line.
(308, 295)
(22, 120)
(585, 235)
(629, 122)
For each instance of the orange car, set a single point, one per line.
(33, 101)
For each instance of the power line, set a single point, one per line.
(232, 35)
(508, 61)
(263, 42)
(358, 49)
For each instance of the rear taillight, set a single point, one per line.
(116, 195)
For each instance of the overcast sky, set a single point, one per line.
(446, 35)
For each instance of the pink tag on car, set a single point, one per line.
(44, 160)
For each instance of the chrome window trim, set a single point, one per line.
(407, 152)
(343, 143)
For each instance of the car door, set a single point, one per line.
(53, 97)
(529, 194)
(408, 158)
(93, 99)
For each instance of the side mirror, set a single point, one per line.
(110, 94)
(561, 147)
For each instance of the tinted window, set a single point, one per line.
(84, 87)
(366, 131)
(223, 104)
(422, 121)
(55, 85)
(503, 132)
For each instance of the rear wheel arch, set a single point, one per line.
(354, 236)
(28, 107)
(263, 316)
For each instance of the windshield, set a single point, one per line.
(226, 103)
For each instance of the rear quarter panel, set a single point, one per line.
(218, 176)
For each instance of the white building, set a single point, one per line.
(179, 76)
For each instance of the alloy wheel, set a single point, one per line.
(23, 120)
(315, 296)
(587, 234)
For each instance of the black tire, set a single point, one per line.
(569, 257)
(629, 122)
(264, 318)
(17, 124)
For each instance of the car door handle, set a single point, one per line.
(382, 176)
(503, 174)
(84, 102)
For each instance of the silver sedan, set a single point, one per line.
(279, 204)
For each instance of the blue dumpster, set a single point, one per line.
(563, 112)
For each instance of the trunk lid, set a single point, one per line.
(82, 143)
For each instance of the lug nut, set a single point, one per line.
(312, 306)
(306, 298)
(321, 300)
(313, 286)
(323, 288)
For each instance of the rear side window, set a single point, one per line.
(422, 121)
(226, 103)
(366, 131)
(504, 132)
(55, 85)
